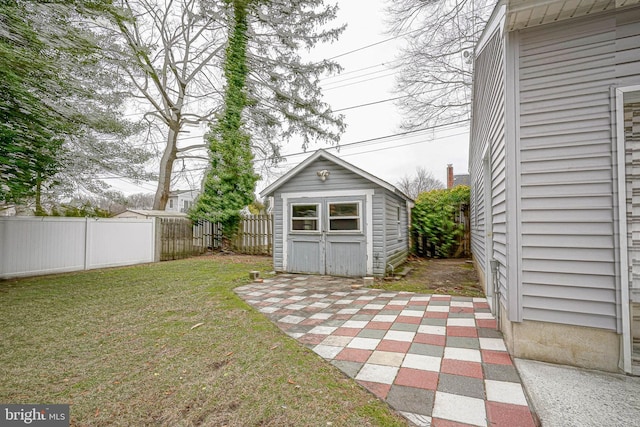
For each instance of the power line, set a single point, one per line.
(369, 140)
(371, 45)
(370, 103)
(382, 64)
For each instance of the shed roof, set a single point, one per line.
(330, 157)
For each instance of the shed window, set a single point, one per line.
(344, 216)
(304, 217)
(398, 223)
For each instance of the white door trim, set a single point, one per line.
(625, 301)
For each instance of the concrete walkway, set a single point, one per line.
(570, 397)
(438, 360)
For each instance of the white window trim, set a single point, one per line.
(317, 218)
(359, 218)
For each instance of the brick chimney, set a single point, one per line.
(449, 176)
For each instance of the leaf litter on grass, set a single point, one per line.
(120, 346)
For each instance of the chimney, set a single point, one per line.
(449, 176)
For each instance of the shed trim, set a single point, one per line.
(336, 193)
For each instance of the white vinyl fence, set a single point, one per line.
(43, 245)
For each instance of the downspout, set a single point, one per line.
(496, 289)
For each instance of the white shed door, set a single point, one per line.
(327, 236)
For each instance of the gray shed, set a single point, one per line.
(333, 218)
(555, 224)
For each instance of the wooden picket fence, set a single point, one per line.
(183, 238)
(176, 238)
(255, 235)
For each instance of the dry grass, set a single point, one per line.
(120, 347)
(451, 276)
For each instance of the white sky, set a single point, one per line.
(391, 158)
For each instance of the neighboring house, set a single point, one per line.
(181, 200)
(332, 218)
(556, 109)
(145, 214)
(455, 180)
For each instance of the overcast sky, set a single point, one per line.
(368, 77)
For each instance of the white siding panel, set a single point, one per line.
(488, 136)
(566, 173)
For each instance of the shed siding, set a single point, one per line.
(396, 243)
(278, 235)
(567, 178)
(379, 247)
(339, 178)
(488, 136)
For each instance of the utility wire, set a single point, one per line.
(372, 44)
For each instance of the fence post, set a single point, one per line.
(157, 249)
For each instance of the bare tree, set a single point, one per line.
(423, 181)
(436, 64)
(170, 52)
(173, 50)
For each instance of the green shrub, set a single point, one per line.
(434, 216)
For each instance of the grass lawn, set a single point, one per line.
(122, 347)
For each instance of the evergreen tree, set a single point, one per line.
(59, 126)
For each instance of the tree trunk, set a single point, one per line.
(166, 167)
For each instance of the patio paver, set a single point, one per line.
(436, 359)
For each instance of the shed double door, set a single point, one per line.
(327, 236)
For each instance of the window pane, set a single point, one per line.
(344, 224)
(304, 224)
(343, 209)
(300, 211)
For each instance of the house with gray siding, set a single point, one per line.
(333, 218)
(555, 202)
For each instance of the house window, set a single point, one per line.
(170, 203)
(344, 216)
(399, 225)
(305, 218)
(186, 205)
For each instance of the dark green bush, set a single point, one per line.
(434, 216)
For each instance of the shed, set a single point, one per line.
(333, 218)
(554, 179)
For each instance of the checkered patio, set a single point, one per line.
(437, 359)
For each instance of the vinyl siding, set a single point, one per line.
(488, 135)
(396, 243)
(278, 235)
(379, 243)
(567, 176)
(339, 178)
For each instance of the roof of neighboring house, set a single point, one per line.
(153, 213)
(323, 154)
(462, 179)
(178, 192)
